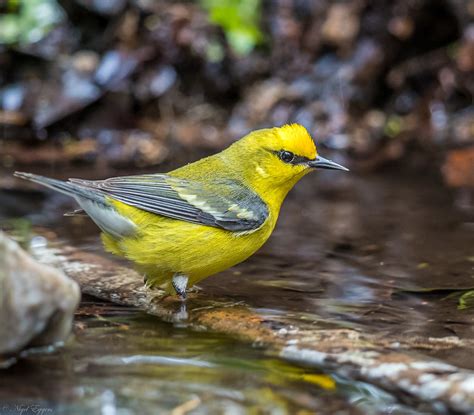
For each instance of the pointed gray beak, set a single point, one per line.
(322, 163)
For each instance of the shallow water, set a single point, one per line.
(382, 253)
(121, 361)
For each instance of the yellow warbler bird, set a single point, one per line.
(183, 226)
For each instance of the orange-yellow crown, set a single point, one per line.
(295, 138)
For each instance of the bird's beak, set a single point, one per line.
(322, 163)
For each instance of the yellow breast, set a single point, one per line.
(164, 246)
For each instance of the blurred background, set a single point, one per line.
(100, 88)
(109, 84)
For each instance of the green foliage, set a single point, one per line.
(239, 19)
(466, 300)
(28, 21)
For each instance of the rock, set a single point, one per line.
(37, 302)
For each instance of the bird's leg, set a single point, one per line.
(180, 283)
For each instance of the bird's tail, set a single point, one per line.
(92, 201)
(68, 188)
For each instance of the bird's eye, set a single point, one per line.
(286, 156)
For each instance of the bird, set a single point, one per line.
(181, 227)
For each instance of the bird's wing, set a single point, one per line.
(225, 204)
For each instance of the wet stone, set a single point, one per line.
(37, 302)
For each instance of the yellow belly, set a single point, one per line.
(163, 246)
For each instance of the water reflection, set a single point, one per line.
(122, 362)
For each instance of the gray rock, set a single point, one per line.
(37, 302)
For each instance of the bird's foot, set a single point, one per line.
(180, 283)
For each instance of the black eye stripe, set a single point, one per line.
(295, 160)
(291, 158)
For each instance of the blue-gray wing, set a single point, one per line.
(225, 204)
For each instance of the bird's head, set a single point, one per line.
(279, 157)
